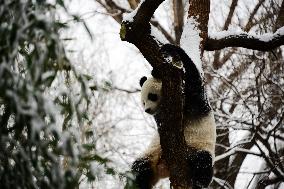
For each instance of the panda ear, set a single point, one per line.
(155, 74)
(142, 80)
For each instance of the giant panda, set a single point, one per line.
(199, 132)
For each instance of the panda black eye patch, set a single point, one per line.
(153, 97)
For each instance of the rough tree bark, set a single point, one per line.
(199, 10)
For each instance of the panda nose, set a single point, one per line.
(148, 110)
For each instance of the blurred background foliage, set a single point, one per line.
(43, 102)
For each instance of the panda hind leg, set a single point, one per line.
(201, 169)
(143, 172)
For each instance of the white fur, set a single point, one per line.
(151, 85)
(201, 133)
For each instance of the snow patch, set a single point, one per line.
(190, 41)
(97, 170)
(158, 35)
(264, 37)
(130, 16)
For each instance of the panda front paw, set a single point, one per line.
(143, 173)
(201, 169)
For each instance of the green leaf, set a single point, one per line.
(96, 158)
(89, 146)
(90, 176)
(94, 88)
(110, 171)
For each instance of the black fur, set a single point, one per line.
(201, 169)
(142, 80)
(155, 74)
(143, 172)
(153, 97)
(196, 102)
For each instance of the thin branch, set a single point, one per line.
(126, 90)
(252, 15)
(234, 151)
(163, 30)
(178, 19)
(133, 4)
(113, 5)
(230, 15)
(113, 9)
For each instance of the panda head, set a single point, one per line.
(151, 90)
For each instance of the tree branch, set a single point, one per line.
(178, 19)
(264, 42)
(230, 15)
(235, 151)
(132, 3)
(163, 30)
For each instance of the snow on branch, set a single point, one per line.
(144, 11)
(190, 42)
(136, 29)
(263, 42)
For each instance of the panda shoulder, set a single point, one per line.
(179, 54)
